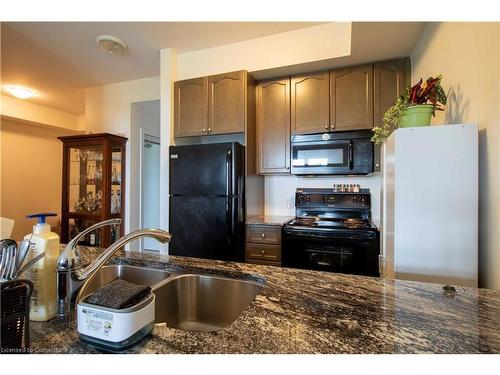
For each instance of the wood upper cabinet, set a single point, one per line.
(273, 126)
(389, 81)
(226, 103)
(389, 78)
(190, 107)
(351, 98)
(310, 111)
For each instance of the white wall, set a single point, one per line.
(22, 111)
(108, 109)
(300, 46)
(468, 56)
(31, 173)
(168, 73)
(280, 190)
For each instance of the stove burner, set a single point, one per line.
(310, 220)
(315, 221)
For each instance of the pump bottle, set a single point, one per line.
(43, 273)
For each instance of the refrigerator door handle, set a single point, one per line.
(229, 170)
(229, 219)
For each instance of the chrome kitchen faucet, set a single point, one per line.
(71, 275)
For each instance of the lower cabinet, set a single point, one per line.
(263, 245)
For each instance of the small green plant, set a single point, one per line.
(428, 92)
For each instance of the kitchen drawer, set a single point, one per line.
(264, 234)
(270, 253)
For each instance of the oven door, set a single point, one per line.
(324, 157)
(343, 253)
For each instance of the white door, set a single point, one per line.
(150, 197)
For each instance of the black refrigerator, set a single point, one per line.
(207, 215)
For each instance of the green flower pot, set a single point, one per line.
(416, 115)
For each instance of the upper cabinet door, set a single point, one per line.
(389, 83)
(226, 103)
(309, 103)
(190, 107)
(273, 126)
(351, 98)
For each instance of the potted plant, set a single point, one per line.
(414, 108)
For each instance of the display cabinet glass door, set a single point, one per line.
(116, 181)
(85, 179)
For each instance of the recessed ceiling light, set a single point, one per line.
(20, 92)
(111, 44)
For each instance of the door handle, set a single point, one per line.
(229, 169)
(229, 219)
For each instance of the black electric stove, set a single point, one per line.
(332, 231)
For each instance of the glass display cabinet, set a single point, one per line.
(93, 186)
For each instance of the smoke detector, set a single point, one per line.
(111, 44)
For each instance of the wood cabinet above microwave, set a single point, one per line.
(351, 98)
(211, 105)
(310, 103)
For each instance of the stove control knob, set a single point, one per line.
(308, 198)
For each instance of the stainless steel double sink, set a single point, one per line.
(186, 301)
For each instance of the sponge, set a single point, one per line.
(119, 294)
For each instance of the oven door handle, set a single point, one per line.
(351, 155)
(321, 258)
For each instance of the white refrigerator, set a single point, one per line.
(430, 205)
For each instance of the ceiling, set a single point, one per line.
(60, 59)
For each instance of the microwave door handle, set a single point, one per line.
(351, 156)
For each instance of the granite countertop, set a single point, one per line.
(274, 220)
(300, 311)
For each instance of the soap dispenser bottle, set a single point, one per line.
(43, 273)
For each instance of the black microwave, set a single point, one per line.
(335, 153)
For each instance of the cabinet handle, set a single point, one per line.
(262, 252)
(204, 130)
(263, 235)
(326, 127)
(332, 126)
(209, 130)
